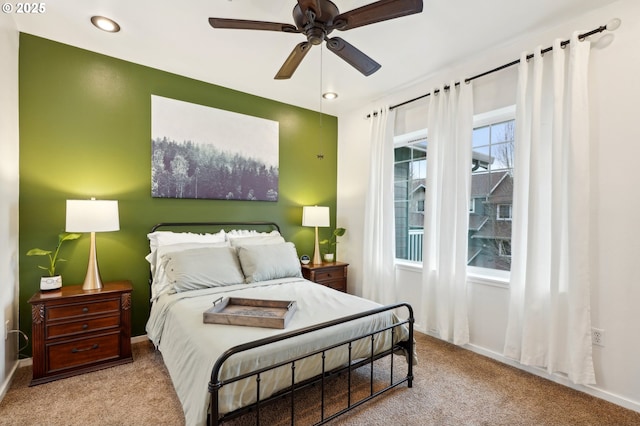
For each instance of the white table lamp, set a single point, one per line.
(92, 216)
(315, 216)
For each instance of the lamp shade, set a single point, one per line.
(315, 216)
(92, 216)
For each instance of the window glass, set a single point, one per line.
(504, 212)
(410, 172)
(490, 209)
(492, 190)
(481, 136)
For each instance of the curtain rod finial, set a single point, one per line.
(614, 24)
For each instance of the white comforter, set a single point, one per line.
(191, 347)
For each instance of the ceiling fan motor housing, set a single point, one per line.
(316, 26)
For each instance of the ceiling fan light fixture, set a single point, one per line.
(330, 95)
(105, 24)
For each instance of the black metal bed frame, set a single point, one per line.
(215, 385)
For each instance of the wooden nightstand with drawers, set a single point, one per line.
(333, 274)
(76, 331)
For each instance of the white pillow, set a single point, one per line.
(237, 240)
(160, 284)
(269, 261)
(202, 268)
(160, 238)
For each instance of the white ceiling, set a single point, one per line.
(175, 36)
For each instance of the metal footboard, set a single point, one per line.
(216, 385)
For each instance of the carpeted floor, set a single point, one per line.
(452, 386)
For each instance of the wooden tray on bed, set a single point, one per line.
(250, 312)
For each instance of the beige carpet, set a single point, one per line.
(452, 386)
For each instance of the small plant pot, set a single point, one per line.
(51, 283)
(329, 257)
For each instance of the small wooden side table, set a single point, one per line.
(332, 274)
(76, 331)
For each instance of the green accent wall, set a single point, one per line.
(85, 131)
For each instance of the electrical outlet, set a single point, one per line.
(597, 336)
(7, 327)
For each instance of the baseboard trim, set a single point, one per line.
(138, 339)
(25, 362)
(591, 390)
(7, 382)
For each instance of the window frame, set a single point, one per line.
(504, 218)
(407, 140)
(474, 273)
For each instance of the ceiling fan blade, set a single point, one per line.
(376, 12)
(292, 62)
(240, 24)
(353, 56)
(310, 4)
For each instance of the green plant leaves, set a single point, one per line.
(338, 232)
(66, 236)
(53, 256)
(38, 252)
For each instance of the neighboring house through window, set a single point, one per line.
(490, 207)
(410, 171)
(503, 212)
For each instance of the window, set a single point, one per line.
(503, 212)
(492, 187)
(490, 207)
(410, 172)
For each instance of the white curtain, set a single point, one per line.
(448, 183)
(378, 252)
(549, 316)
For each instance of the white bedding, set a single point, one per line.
(191, 347)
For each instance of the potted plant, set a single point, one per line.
(331, 243)
(52, 281)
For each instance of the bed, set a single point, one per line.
(222, 371)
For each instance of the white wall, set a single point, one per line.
(8, 195)
(615, 92)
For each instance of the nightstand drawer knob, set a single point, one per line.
(76, 350)
(85, 310)
(85, 326)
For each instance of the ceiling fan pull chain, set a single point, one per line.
(320, 155)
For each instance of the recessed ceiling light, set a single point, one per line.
(105, 24)
(330, 95)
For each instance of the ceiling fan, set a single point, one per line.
(316, 19)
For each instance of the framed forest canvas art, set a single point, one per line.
(203, 152)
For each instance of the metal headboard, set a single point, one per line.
(219, 224)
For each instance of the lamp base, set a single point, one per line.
(92, 280)
(317, 260)
(92, 283)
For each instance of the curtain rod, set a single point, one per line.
(611, 25)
